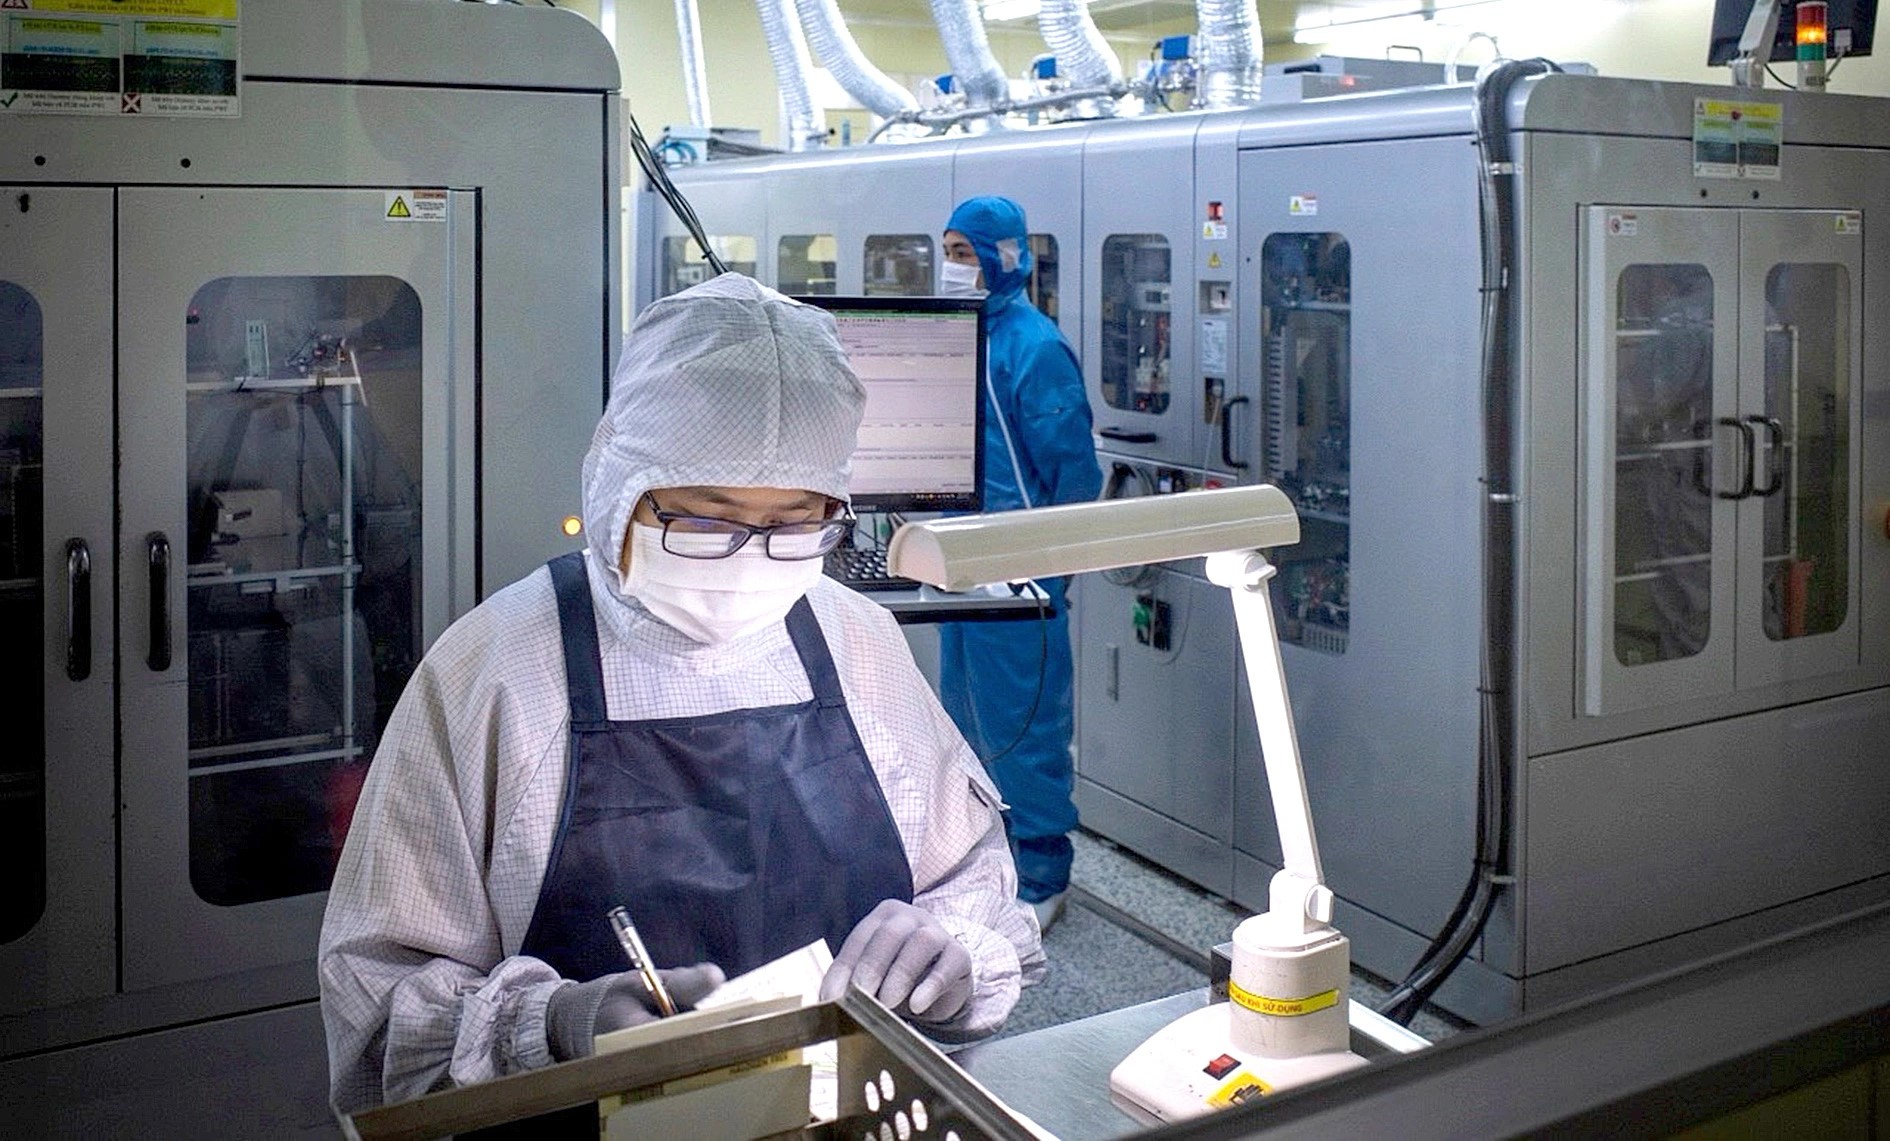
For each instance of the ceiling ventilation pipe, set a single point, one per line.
(787, 49)
(840, 54)
(1230, 53)
(1082, 53)
(961, 29)
(694, 76)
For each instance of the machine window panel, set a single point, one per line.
(684, 263)
(1306, 425)
(1136, 289)
(1804, 453)
(1663, 462)
(804, 264)
(22, 602)
(303, 492)
(1042, 286)
(899, 265)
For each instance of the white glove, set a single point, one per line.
(577, 1013)
(904, 957)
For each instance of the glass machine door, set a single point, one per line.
(285, 385)
(1663, 453)
(1721, 533)
(56, 778)
(1798, 385)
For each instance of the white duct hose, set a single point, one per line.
(1230, 53)
(694, 75)
(840, 54)
(961, 29)
(1082, 53)
(787, 49)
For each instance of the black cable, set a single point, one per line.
(1043, 669)
(1496, 729)
(1779, 81)
(659, 181)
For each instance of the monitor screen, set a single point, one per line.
(1857, 17)
(922, 362)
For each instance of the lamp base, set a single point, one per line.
(1191, 1067)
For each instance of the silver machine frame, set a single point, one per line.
(1646, 834)
(134, 1005)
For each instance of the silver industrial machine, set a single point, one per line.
(1673, 650)
(280, 365)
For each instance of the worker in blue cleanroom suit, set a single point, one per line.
(1009, 685)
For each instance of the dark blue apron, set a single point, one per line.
(732, 838)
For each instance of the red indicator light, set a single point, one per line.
(1811, 22)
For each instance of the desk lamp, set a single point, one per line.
(1287, 1020)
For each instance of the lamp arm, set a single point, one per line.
(1299, 898)
(1755, 44)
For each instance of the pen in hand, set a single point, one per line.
(640, 959)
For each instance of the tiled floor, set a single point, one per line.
(1097, 965)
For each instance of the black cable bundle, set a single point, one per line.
(659, 179)
(1495, 760)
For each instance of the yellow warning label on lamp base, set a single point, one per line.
(1281, 1007)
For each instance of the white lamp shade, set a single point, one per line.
(971, 550)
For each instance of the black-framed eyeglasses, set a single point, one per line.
(702, 537)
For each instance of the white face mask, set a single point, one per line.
(958, 280)
(714, 600)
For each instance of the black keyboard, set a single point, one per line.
(864, 568)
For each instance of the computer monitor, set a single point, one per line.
(922, 362)
(1856, 17)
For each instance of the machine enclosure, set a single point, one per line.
(1661, 813)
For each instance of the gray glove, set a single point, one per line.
(578, 1012)
(904, 957)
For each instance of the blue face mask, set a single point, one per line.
(956, 280)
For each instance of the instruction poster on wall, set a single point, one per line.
(120, 57)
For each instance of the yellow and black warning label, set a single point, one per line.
(417, 205)
(1241, 1088)
(1281, 1007)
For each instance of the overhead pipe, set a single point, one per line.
(694, 74)
(787, 50)
(1082, 53)
(961, 29)
(840, 54)
(1230, 54)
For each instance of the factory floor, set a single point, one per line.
(1133, 933)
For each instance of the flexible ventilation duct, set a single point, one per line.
(694, 77)
(1082, 53)
(1230, 53)
(961, 29)
(787, 49)
(827, 35)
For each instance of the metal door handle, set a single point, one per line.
(157, 562)
(1126, 436)
(1751, 441)
(1227, 442)
(1775, 454)
(78, 610)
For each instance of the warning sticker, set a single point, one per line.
(416, 206)
(1623, 225)
(1298, 204)
(1243, 1087)
(1737, 140)
(1214, 231)
(1850, 222)
(1281, 1007)
(120, 57)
